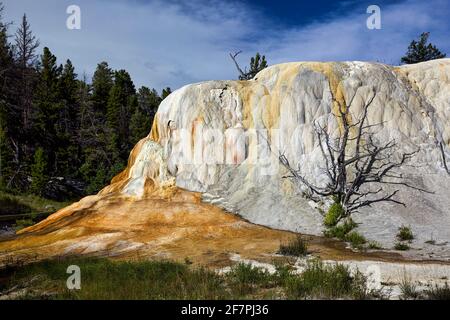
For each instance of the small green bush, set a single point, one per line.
(295, 247)
(333, 215)
(356, 240)
(409, 289)
(405, 234)
(374, 245)
(401, 246)
(340, 231)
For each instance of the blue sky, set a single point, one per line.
(173, 43)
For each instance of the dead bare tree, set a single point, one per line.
(233, 56)
(354, 162)
(257, 63)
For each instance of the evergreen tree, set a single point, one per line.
(142, 119)
(48, 107)
(257, 64)
(102, 83)
(121, 105)
(38, 172)
(165, 93)
(66, 156)
(9, 157)
(25, 55)
(420, 51)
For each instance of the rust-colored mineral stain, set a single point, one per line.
(169, 224)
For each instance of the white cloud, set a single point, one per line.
(163, 44)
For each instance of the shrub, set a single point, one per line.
(295, 247)
(409, 289)
(333, 215)
(405, 234)
(340, 231)
(374, 245)
(327, 281)
(401, 246)
(244, 278)
(355, 239)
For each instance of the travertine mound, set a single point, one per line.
(222, 139)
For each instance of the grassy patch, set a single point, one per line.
(320, 281)
(409, 289)
(295, 247)
(356, 240)
(405, 234)
(374, 245)
(26, 203)
(11, 205)
(438, 293)
(105, 279)
(245, 279)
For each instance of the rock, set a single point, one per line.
(62, 189)
(224, 137)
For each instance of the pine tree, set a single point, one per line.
(102, 83)
(142, 119)
(257, 64)
(66, 156)
(25, 56)
(420, 51)
(48, 107)
(9, 157)
(165, 93)
(121, 105)
(38, 172)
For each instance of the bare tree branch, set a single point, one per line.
(354, 161)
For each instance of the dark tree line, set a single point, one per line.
(55, 126)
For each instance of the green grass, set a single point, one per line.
(297, 247)
(34, 203)
(320, 281)
(374, 245)
(112, 280)
(405, 234)
(356, 240)
(104, 279)
(11, 205)
(29, 205)
(409, 289)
